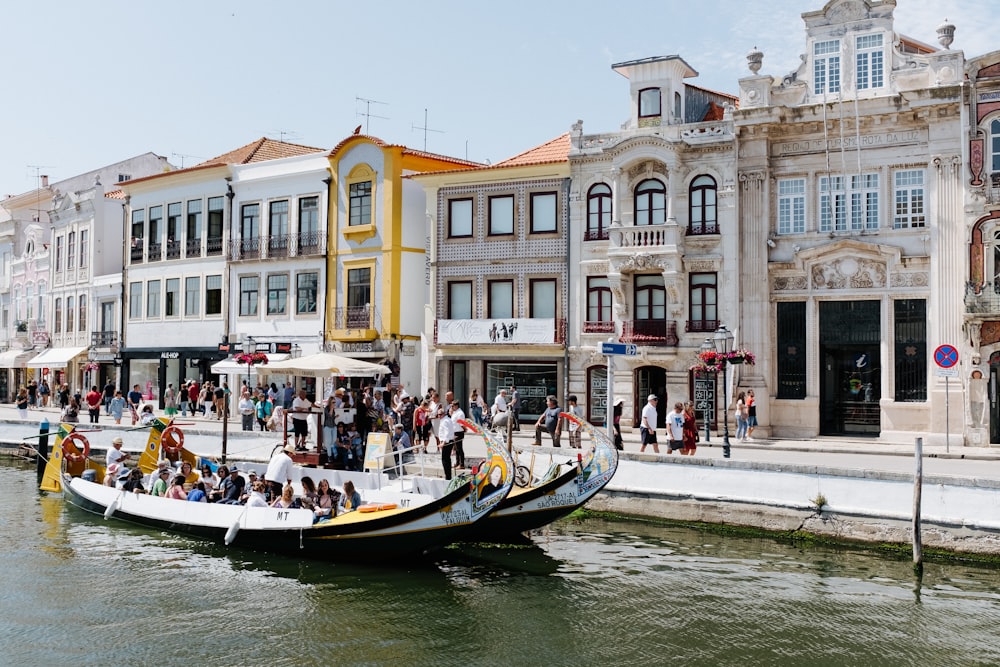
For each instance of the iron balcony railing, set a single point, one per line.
(193, 248)
(277, 246)
(357, 318)
(599, 327)
(701, 326)
(653, 333)
(104, 339)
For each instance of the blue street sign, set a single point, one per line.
(945, 356)
(621, 349)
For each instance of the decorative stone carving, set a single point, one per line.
(849, 272)
(702, 265)
(755, 59)
(785, 283)
(642, 262)
(751, 176)
(595, 268)
(911, 279)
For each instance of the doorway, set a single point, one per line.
(651, 380)
(851, 369)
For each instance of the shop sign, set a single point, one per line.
(357, 347)
(40, 338)
(511, 331)
(170, 355)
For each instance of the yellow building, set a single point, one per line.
(378, 277)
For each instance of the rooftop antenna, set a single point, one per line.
(286, 133)
(368, 110)
(182, 156)
(40, 181)
(425, 129)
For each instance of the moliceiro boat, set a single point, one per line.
(563, 489)
(388, 524)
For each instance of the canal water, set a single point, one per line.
(79, 590)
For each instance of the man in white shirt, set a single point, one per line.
(675, 425)
(500, 410)
(279, 470)
(301, 406)
(116, 455)
(446, 441)
(647, 427)
(456, 414)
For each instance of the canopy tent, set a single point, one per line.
(231, 368)
(55, 357)
(324, 363)
(15, 358)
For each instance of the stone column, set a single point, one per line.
(751, 287)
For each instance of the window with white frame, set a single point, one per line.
(192, 296)
(134, 301)
(848, 203)
(826, 67)
(172, 298)
(59, 253)
(305, 293)
(649, 102)
(57, 324)
(995, 146)
(598, 299)
(869, 60)
(82, 320)
(71, 250)
(70, 310)
(277, 294)
(460, 300)
(249, 295)
(153, 299)
(791, 205)
(213, 295)
(459, 218)
(84, 247)
(908, 196)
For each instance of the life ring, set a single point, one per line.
(172, 440)
(365, 509)
(76, 455)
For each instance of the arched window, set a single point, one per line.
(82, 324)
(57, 327)
(995, 147)
(41, 301)
(702, 209)
(70, 306)
(650, 203)
(598, 213)
(29, 302)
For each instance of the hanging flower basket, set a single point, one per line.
(741, 357)
(710, 361)
(251, 358)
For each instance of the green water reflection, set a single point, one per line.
(82, 591)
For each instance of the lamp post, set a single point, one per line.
(708, 346)
(724, 345)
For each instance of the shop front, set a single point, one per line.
(154, 369)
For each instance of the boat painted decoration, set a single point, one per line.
(494, 478)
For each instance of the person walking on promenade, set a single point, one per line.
(135, 403)
(740, 413)
(574, 428)
(675, 428)
(690, 430)
(33, 395)
(499, 414)
(647, 425)
(63, 397)
(550, 421)
(182, 398)
(751, 414)
(22, 403)
(117, 407)
(457, 414)
(94, 404)
(43, 392)
(170, 400)
(515, 407)
(109, 393)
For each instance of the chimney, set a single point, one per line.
(45, 181)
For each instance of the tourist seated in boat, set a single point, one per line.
(248, 489)
(160, 483)
(111, 477)
(327, 500)
(310, 497)
(215, 495)
(197, 494)
(190, 476)
(287, 501)
(232, 487)
(208, 478)
(176, 490)
(256, 497)
(146, 417)
(351, 499)
(133, 482)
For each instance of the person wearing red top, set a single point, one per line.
(193, 388)
(94, 401)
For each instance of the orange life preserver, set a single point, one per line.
(75, 455)
(365, 509)
(172, 440)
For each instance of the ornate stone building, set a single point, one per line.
(851, 235)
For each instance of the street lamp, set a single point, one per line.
(724, 345)
(708, 346)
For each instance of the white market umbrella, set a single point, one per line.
(324, 363)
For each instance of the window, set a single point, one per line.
(791, 205)
(193, 235)
(153, 299)
(650, 298)
(995, 146)
(249, 295)
(649, 102)
(909, 199)
(305, 293)
(501, 299)
(460, 300)
(853, 199)
(702, 206)
(309, 220)
(70, 250)
(598, 213)
(703, 302)
(910, 324)
(650, 203)
(249, 226)
(361, 204)
(82, 324)
(213, 295)
(542, 209)
(826, 67)
(277, 294)
(598, 304)
(216, 214)
(501, 215)
(359, 298)
(138, 223)
(172, 298)
(278, 219)
(791, 352)
(84, 247)
(677, 107)
(155, 222)
(173, 222)
(134, 301)
(192, 296)
(869, 61)
(459, 218)
(59, 253)
(57, 324)
(70, 309)
(543, 298)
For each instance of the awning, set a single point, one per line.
(325, 363)
(231, 368)
(55, 357)
(15, 358)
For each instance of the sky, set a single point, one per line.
(89, 84)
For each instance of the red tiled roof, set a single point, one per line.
(555, 150)
(735, 98)
(715, 112)
(114, 194)
(406, 151)
(259, 151)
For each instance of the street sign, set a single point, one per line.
(945, 356)
(946, 372)
(620, 349)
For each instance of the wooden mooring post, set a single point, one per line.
(918, 483)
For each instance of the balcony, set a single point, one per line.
(598, 327)
(213, 246)
(105, 339)
(706, 229)
(493, 331)
(596, 235)
(701, 326)
(193, 248)
(362, 323)
(643, 236)
(173, 249)
(278, 246)
(135, 252)
(310, 243)
(155, 252)
(652, 333)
